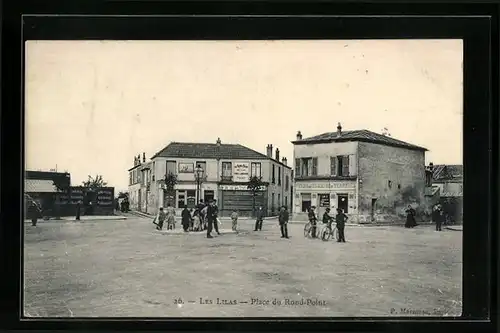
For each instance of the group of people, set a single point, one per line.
(438, 217)
(340, 219)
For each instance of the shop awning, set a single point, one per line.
(39, 186)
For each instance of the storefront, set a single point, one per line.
(185, 194)
(240, 198)
(323, 194)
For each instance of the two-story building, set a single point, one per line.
(212, 171)
(449, 180)
(371, 176)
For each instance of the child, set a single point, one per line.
(234, 218)
(161, 219)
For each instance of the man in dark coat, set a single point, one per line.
(312, 219)
(78, 211)
(283, 220)
(186, 218)
(438, 217)
(211, 218)
(259, 218)
(340, 219)
(410, 217)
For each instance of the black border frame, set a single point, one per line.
(243, 20)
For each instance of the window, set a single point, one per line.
(171, 167)
(154, 171)
(333, 166)
(286, 201)
(130, 178)
(202, 165)
(287, 182)
(279, 200)
(256, 169)
(181, 199)
(343, 165)
(227, 171)
(306, 167)
(314, 166)
(297, 166)
(279, 176)
(272, 202)
(273, 180)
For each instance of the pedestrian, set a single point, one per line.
(439, 217)
(161, 217)
(216, 216)
(259, 219)
(312, 220)
(197, 221)
(203, 217)
(170, 211)
(283, 221)
(211, 218)
(327, 218)
(191, 220)
(186, 218)
(410, 217)
(234, 219)
(341, 219)
(78, 210)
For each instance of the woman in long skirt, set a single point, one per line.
(410, 217)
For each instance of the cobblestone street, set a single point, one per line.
(126, 268)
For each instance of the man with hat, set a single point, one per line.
(211, 218)
(283, 220)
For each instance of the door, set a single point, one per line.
(343, 202)
(139, 201)
(208, 195)
(374, 201)
(306, 202)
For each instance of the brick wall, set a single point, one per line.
(403, 168)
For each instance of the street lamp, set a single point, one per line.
(199, 179)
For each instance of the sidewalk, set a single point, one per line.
(83, 218)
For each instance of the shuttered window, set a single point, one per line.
(345, 165)
(314, 166)
(297, 167)
(333, 166)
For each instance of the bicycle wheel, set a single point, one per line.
(307, 230)
(326, 234)
(335, 233)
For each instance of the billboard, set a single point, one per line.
(241, 172)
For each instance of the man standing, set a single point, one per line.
(438, 217)
(78, 210)
(259, 219)
(341, 218)
(211, 217)
(186, 218)
(313, 220)
(283, 220)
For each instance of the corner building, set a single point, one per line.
(372, 177)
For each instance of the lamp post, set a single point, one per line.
(199, 179)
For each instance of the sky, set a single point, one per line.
(91, 106)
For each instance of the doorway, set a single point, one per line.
(374, 201)
(306, 202)
(343, 202)
(208, 195)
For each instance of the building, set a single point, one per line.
(449, 180)
(39, 185)
(372, 177)
(211, 171)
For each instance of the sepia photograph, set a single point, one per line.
(243, 178)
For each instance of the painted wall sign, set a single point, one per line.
(186, 167)
(241, 172)
(238, 188)
(335, 185)
(324, 200)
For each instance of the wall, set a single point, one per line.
(273, 207)
(133, 192)
(160, 168)
(323, 151)
(379, 164)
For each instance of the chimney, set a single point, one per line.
(218, 142)
(339, 130)
(144, 157)
(299, 136)
(283, 160)
(139, 159)
(269, 150)
(277, 154)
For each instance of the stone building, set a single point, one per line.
(449, 180)
(226, 171)
(372, 177)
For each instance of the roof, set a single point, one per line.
(448, 172)
(39, 186)
(358, 135)
(47, 175)
(212, 151)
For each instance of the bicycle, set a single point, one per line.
(308, 230)
(327, 232)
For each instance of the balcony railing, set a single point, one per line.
(225, 178)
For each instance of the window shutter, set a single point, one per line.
(345, 165)
(333, 166)
(353, 167)
(314, 166)
(297, 167)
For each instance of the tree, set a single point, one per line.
(94, 183)
(122, 195)
(254, 185)
(170, 181)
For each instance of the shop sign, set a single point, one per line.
(333, 185)
(241, 172)
(324, 200)
(238, 188)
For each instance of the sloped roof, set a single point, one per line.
(448, 172)
(358, 135)
(209, 151)
(39, 186)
